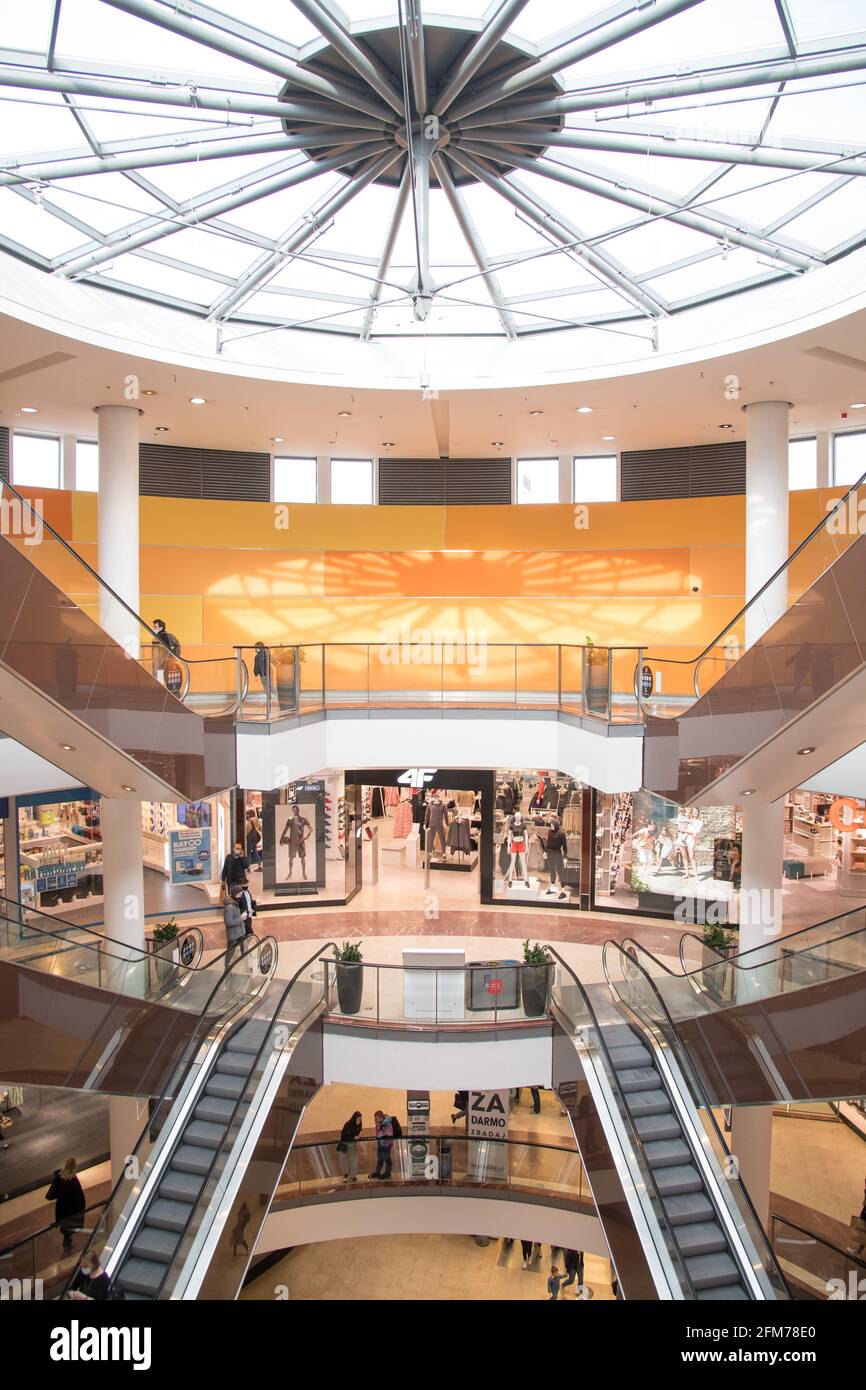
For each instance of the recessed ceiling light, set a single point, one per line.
(748, 791)
(387, 443)
(29, 410)
(726, 427)
(608, 438)
(148, 393)
(67, 747)
(277, 439)
(126, 788)
(161, 429)
(801, 752)
(496, 443)
(198, 400)
(536, 412)
(584, 410)
(344, 414)
(857, 405)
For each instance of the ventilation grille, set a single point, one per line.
(170, 470)
(4, 453)
(699, 470)
(443, 482)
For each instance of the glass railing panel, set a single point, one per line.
(625, 670)
(44, 1260)
(572, 673)
(406, 675)
(597, 683)
(537, 677)
(815, 1265)
(348, 673)
(310, 678)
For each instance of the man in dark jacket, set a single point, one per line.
(235, 867)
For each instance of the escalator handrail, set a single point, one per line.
(683, 1056)
(693, 661)
(249, 944)
(7, 1250)
(266, 1042)
(626, 1113)
(100, 938)
(821, 1240)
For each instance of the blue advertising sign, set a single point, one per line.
(58, 875)
(190, 856)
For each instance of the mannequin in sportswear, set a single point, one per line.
(556, 846)
(517, 832)
(435, 820)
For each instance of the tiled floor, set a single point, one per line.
(419, 1268)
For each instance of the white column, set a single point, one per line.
(127, 1117)
(751, 1145)
(566, 478)
(123, 872)
(118, 521)
(323, 478)
(823, 450)
(766, 511)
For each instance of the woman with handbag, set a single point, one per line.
(346, 1148)
(67, 1194)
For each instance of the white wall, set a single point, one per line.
(456, 1215)
(402, 1063)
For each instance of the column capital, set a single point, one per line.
(116, 405)
(750, 404)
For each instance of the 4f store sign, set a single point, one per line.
(417, 777)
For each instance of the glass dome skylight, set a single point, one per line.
(382, 170)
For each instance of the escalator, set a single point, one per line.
(783, 1022)
(771, 717)
(162, 1233)
(82, 700)
(81, 1010)
(698, 1237)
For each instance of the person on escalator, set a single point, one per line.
(67, 1194)
(247, 905)
(164, 640)
(235, 929)
(235, 867)
(91, 1281)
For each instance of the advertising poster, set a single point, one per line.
(190, 856)
(294, 840)
(488, 1120)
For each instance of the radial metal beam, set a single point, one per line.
(167, 16)
(477, 53)
(387, 251)
(473, 241)
(421, 154)
(417, 57)
(311, 223)
(674, 147)
(202, 209)
(191, 154)
(188, 96)
(553, 224)
(374, 73)
(604, 36)
(667, 88)
(615, 191)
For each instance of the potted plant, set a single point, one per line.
(719, 976)
(164, 937)
(350, 976)
(535, 979)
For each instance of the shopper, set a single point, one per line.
(247, 906)
(573, 1260)
(347, 1151)
(554, 1283)
(461, 1106)
(235, 867)
(67, 1194)
(384, 1144)
(239, 1232)
(235, 930)
(166, 645)
(91, 1281)
(261, 665)
(527, 1248)
(535, 1092)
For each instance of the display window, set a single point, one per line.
(187, 842)
(537, 837)
(296, 841)
(60, 853)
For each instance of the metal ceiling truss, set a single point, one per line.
(498, 107)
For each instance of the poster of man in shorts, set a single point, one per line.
(292, 837)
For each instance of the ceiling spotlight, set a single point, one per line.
(198, 400)
(608, 438)
(148, 393)
(161, 429)
(277, 439)
(344, 414)
(801, 752)
(387, 443)
(29, 410)
(124, 786)
(536, 412)
(584, 410)
(496, 443)
(726, 427)
(857, 405)
(67, 747)
(748, 791)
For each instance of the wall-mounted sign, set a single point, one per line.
(190, 852)
(173, 677)
(842, 814)
(488, 1120)
(417, 777)
(646, 681)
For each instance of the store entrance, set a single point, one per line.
(426, 837)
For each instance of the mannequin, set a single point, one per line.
(517, 831)
(434, 825)
(556, 844)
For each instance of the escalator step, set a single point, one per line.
(250, 1037)
(701, 1238)
(731, 1293)
(684, 1208)
(650, 1103)
(212, 1110)
(168, 1216)
(712, 1271)
(181, 1187)
(629, 1056)
(225, 1087)
(673, 1182)
(151, 1243)
(141, 1276)
(188, 1158)
(231, 1063)
(204, 1134)
(638, 1079)
(665, 1153)
(658, 1127)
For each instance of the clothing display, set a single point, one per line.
(435, 825)
(458, 838)
(403, 820)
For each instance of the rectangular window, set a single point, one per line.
(849, 457)
(295, 480)
(352, 482)
(595, 478)
(86, 466)
(802, 464)
(35, 460)
(538, 480)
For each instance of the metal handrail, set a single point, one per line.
(626, 1113)
(7, 1250)
(248, 945)
(682, 1055)
(821, 1240)
(100, 939)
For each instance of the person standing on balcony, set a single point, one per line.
(347, 1150)
(262, 664)
(384, 1145)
